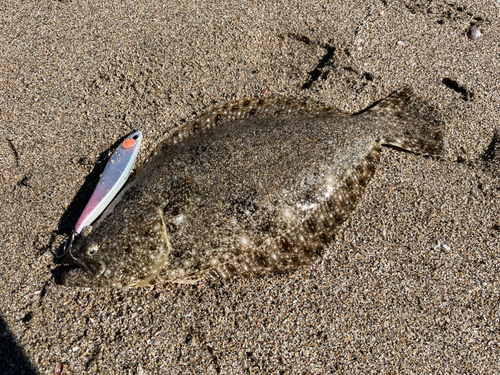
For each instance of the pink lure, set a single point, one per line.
(112, 180)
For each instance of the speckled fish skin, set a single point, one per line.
(251, 188)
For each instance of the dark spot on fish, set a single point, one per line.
(231, 268)
(261, 260)
(370, 168)
(311, 226)
(362, 180)
(286, 245)
(242, 205)
(267, 227)
(236, 251)
(310, 197)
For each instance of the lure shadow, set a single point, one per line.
(70, 217)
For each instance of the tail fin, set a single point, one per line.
(408, 124)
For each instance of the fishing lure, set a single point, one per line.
(113, 178)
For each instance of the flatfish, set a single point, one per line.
(250, 188)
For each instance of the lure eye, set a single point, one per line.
(129, 143)
(92, 249)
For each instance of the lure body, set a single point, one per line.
(113, 178)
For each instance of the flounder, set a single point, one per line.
(250, 188)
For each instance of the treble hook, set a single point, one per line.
(67, 247)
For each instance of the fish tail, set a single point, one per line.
(408, 124)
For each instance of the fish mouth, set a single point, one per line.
(80, 273)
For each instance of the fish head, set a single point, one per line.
(126, 249)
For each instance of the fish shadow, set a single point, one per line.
(70, 216)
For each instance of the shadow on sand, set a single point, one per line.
(12, 357)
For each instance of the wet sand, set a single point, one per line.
(410, 285)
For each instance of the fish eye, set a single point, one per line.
(92, 249)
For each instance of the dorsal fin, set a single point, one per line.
(241, 109)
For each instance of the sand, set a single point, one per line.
(410, 285)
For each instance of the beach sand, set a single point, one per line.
(410, 285)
